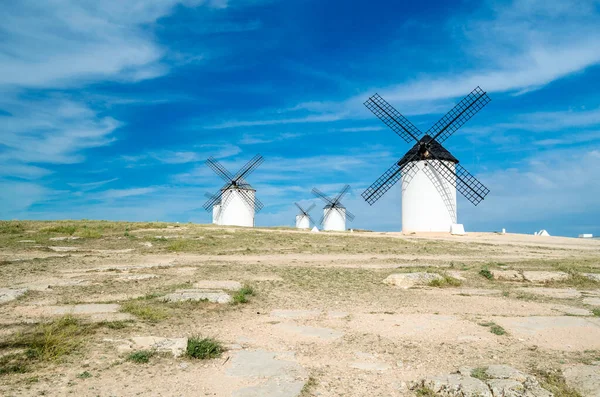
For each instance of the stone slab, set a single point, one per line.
(559, 293)
(565, 333)
(544, 277)
(91, 308)
(324, 334)
(136, 277)
(507, 275)
(408, 280)
(10, 294)
(295, 313)
(584, 378)
(228, 285)
(197, 295)
(592, 301)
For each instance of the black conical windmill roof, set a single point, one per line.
(434, 147)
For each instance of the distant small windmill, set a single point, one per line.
(303, 219)
(428, 197)
(235, 203)
(334, 212)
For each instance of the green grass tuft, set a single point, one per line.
(145, 310)
(203, 348)
(13, 364)
(596, 311)
(50, 341)
(84, 375)
(446, 281)
(424, 391)
(242, 295)
(494, 328)
(141, 356)
(486, 273)
(480, 373)
(64, 229)
(11, 227)
(554, 382)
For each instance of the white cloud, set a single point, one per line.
(17, 198)
(122, 193)
(92, 185)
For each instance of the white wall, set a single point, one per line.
(302, 222)
(425, 207)
(216, 213)
(335, 219)
(236, 211)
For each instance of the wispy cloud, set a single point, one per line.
(92, 185)
(200, 154)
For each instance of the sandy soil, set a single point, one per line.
(319, 323)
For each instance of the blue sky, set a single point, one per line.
(109, 109)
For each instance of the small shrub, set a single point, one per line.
(88, 233)
(480, 373)
(242, 295)
(596, 311)
(310, 384)
(486, 273)
(554, 382)
(141, 356)
(497, 330)
(203, 348)
(84, 375)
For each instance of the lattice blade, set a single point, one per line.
(249, 167)
(322, 196)
(219, 169)
(393, 119)
(252, 202)
(465, 183)
(349, 215)
(385, 181)
(341, 194)
(408, 173)
(460, 114)
(214, 199)
(310, 208)
(300, 208)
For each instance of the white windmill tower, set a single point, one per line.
(334, 212)
(235, 204)
(428, 197)
(303, 219)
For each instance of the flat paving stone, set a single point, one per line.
(295, 313)
(544, 277)
(564, 333)
(63, 249)
(560, 293)
(477, 292)
(64, 238)
(592, 301)
(572, 311)
(49, 283)
(277, 374)
(507, 275)
(584, 378)
(228, 285)
(91, 308)
(592, 276)
(325, 334)
(408, 280)
(136, 277)
(197, 295)
(10, 294)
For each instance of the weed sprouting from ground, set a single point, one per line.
(308, 387)
(141, 356)
(203, 348)
(445, 281)
(84, 375)
(425, 392)
(64, 229)
(596, 311)
(480, 373)
(494, 328)
(485, 272)
(242, 295)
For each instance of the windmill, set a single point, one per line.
(334, 212)
(235, 203)
(430, 174)
(303, 219)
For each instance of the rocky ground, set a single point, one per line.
(111, 309)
